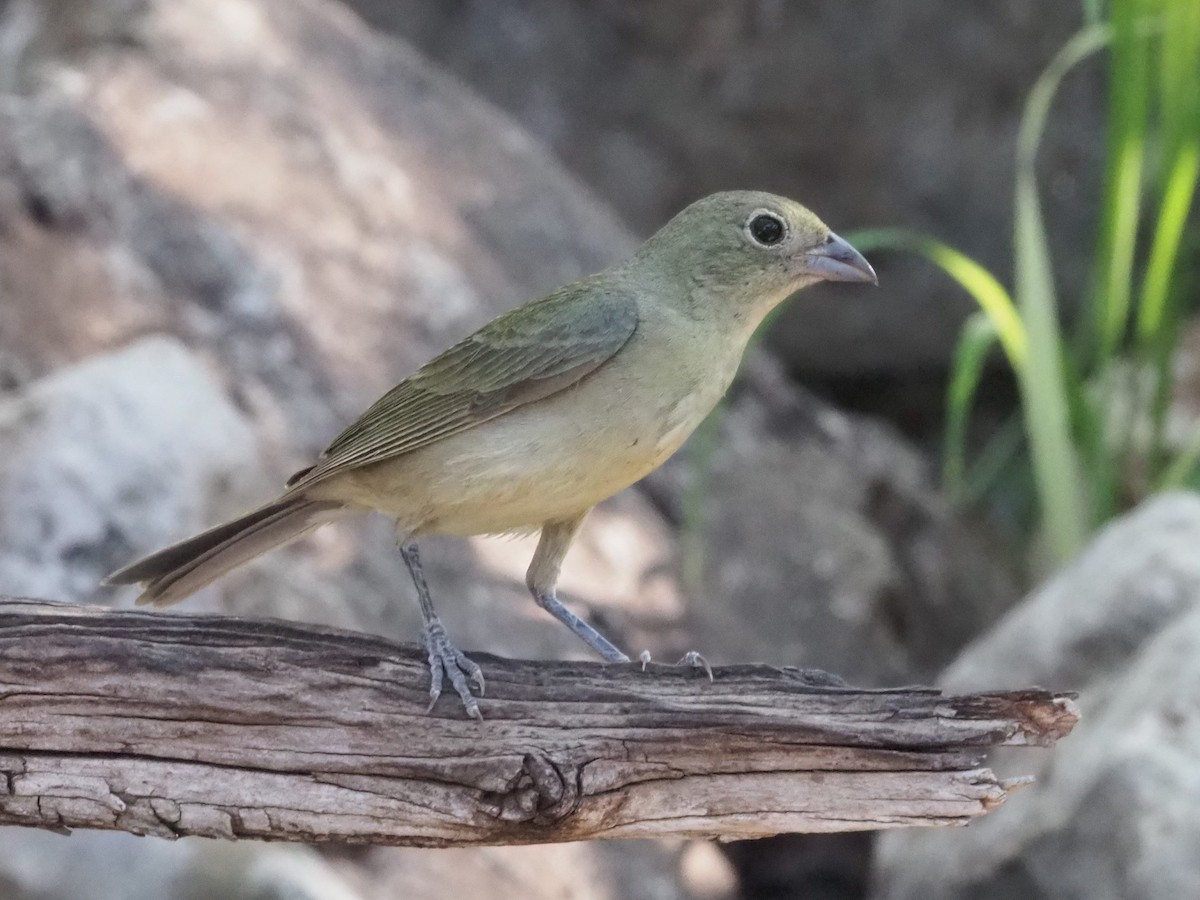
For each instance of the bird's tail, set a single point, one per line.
(175, 572)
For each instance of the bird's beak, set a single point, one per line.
(836, 260)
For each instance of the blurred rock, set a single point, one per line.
(1115, 812)
(98, 865)
(818, 539)
(314, 231)
(109, 455)
(874, 113)
(708, 873)
(37, 34)
(36, 865)
(597, 871)
(1092, 620)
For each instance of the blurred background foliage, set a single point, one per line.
(1092, 438)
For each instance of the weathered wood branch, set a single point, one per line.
(177, 725)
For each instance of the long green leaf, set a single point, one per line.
(1044, 387)
(995, 464)
(1179, 123)
(975, 342)
(1178, 192)
(1128, 84)
(978, 282)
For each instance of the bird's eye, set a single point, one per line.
(767, 229)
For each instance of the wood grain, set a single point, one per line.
(173, 725)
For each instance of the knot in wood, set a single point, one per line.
(541, 793)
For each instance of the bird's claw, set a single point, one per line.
(691, 658)
(447, 661)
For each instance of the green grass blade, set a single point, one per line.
(975, 342)
(1158, 325)
(997, 322)
(1179, 69)
(1128, 106)
(1083, 44)
(1179, 114)
(1090, 420)
(1044, 389)
(1056, 469)
(993, 464)
(982, 286)
(1178, 192)
(1045, 392)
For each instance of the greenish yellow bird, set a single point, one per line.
(543, 412)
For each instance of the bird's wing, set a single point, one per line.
(521, 357)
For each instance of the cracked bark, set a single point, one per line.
(176, 725)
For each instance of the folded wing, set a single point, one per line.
(519, 358)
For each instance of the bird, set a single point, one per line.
(542, 413)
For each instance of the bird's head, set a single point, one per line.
(751, 247)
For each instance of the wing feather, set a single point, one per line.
(523, 356)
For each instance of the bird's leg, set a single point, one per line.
(543, 575)
(445, 660)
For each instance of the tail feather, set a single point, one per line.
(180, 570)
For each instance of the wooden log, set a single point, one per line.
(173, 725)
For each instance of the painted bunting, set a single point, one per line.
(543, 412)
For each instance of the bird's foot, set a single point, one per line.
(447, 661)
(691, 658)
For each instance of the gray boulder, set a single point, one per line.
(109, 455)
(815, 538)
(1115, 812)
(313, 234)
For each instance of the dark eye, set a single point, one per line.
(767, 229)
